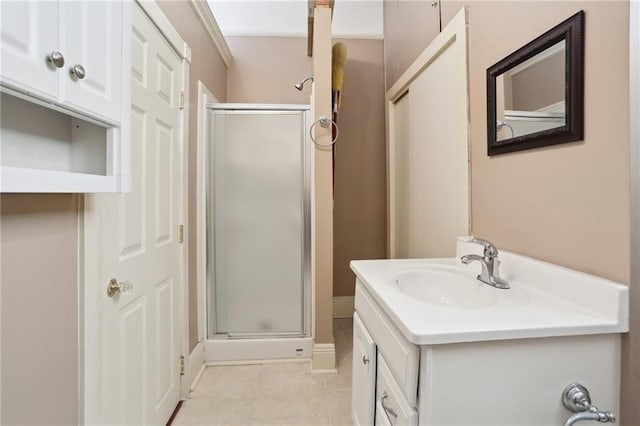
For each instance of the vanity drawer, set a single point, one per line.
(391, 406)
(401, 355)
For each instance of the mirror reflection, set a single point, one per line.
(530, 97)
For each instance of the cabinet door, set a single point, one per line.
(29, 32)
(364, 375)
(92, 36)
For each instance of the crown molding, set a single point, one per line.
(209, 21)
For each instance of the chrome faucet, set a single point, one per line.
(489, 274)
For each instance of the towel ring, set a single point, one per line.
(324, 123)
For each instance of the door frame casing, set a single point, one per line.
(631, 345)
(89, 254)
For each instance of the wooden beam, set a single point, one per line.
(310, 36)
(312, 4)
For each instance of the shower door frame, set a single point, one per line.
(307, 164)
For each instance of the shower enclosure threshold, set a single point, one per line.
(256, 349)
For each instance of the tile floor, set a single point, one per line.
(274, 393)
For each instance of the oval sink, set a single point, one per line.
(453, 288)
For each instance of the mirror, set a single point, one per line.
(535, 95)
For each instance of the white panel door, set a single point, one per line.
(431, 168)
(29, 32)
(132, 340)
(364, 375)
(92, 39)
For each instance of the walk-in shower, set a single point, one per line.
(258, 232)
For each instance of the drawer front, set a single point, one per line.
(364, 375)
(381, 417)
(402, 356)
(392, 406)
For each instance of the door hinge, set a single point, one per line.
(182, 365)
(181, 100)
(181, 234)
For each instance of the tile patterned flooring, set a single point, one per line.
(275, 393)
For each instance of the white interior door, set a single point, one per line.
(132, 340)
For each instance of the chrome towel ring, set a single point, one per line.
(324, 123)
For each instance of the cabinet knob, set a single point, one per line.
(56, 59)
(365, 360)
(78, 71)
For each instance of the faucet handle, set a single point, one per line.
(490, 250)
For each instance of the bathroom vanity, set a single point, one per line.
(435, 346)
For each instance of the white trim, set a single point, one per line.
(169, 32)
(257, 107)
(343, 306)
(204, 98)
(558, 107)
(630, 383)
(304, 35)
(558, 47)
(184, 216)
(235, 350)
(209, 21)
(324, 358)
(194, 367)
(258, 361)
(80, 285)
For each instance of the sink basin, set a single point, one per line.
(447, 287)
(440, 301)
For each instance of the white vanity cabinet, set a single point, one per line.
(66, 67)
(503, 382)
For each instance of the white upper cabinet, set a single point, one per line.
(66, 66)
(29, 34)
(92, 40)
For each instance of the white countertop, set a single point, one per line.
(545, 300)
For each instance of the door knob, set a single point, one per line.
(78, 71)
(114, 287)
(365, 359)
(56, 59)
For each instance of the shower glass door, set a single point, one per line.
(258, 202)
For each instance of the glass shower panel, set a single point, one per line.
(258, 215)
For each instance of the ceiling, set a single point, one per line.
(351, 18)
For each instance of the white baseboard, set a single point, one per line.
(193, 369)
(343, 306)
(324, 358)
(236, 350)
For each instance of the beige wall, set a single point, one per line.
(409, 26)
(265, 69)
(38, 242)
(322, 249)
(208, 67)
(553, 203)
(538, 86)
(360, 177)
(567, 204)
(257, 75)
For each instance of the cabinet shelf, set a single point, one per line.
(19, 179)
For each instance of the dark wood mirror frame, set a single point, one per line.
(572, 31)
